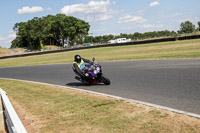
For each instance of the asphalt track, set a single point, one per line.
(172, 83)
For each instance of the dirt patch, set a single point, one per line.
(9, 52)
(31, 123)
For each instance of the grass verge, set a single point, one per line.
(45, 108)
(4, 51)
(166, 50)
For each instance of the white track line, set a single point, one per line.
(117, 97)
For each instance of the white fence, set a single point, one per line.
(12, 121)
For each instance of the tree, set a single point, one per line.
(137, 36)
(48, 30)
(187, 27)
(97, 39)
(78, 30)
(20, 40)
(199, 25)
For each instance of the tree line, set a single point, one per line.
(135, 36)
(61, 29)
(49, 30)
(185, 28)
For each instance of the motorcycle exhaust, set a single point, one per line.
(78, 78)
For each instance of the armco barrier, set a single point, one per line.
(109, 45)
(12, 121)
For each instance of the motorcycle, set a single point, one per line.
(93, 74)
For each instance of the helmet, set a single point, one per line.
(77, 58)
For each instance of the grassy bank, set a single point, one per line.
(45, 108)
(4, 50)
(166, 50)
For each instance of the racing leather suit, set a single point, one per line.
(79, 67)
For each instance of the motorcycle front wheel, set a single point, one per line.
(105, 79)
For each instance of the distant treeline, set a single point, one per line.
(185, 28)
(135, 36)
(50, 30)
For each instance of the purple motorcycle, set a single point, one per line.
(93, 74)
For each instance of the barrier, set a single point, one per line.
(12, 121)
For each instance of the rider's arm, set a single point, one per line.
(86, 60)
(77, 69)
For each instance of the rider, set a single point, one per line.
(79, 64)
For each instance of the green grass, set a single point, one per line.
(4, 50)
(53, 109)
(166, 50)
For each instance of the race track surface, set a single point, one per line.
(172, 83)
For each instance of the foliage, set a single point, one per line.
(187, 27)
(135, 36)
(49, 30)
